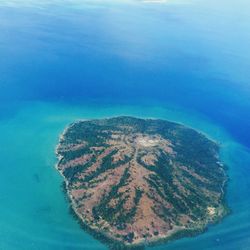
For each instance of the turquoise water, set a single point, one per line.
(34, 212)
(61, 60)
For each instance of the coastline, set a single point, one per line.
(114, 244)
(173, 235)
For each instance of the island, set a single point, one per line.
(138, 181)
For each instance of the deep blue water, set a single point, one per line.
(185, 60)
(193, 54)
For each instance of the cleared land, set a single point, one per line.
(138, 181)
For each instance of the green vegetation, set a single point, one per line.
(170, 171)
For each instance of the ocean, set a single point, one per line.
(182, 60)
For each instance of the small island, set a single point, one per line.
(140, 181)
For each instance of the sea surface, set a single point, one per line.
(182, 60)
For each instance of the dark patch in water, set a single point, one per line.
(37, 178)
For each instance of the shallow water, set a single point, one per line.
(34, 212)
(185, 61)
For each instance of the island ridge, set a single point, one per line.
(138, 181)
